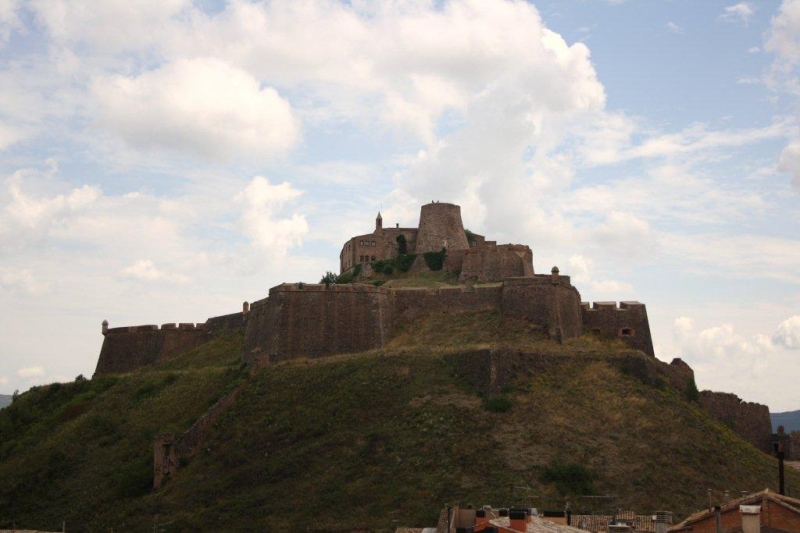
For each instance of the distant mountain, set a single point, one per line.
(790, 420)
(5, 399)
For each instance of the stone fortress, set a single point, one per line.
(303, 320)
(317, 320)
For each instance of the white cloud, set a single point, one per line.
(753, 50)
(3, 380)
(722, 349)
(146, 270)
(790, 162)
(674, 28)
(262, 205)
(26, 216)
(783, 38)
(788, 333)
(581, 271)
(740, 13)
(108, 27)
(21, 280)
(9, 20)
(203, 106)
(31, 372)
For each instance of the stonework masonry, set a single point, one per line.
(749, 420)
(316, 320)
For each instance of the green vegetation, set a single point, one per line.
(497, 404)
(570, 479)
(691, 393)
(435, 260)
(402, 245)
(370, 440)
(341, 279)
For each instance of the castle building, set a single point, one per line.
(319, 320)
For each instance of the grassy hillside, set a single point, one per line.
(370, 440)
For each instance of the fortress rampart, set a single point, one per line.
(128, 348)
(749, 420)
(628, 322)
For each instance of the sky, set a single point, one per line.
(166, 160)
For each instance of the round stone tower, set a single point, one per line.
(440, 227)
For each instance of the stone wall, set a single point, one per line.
(627, 322)
(550, 301)
(496, 263)
(749, 420)
(129, 348)
(440, 226)
(312, 320)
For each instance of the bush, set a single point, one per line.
(570, 478)
(402, 246)
(497, 404)
(388, 270)
(435, 260)
(405, 261)
(691, 393)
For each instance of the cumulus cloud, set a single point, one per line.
(740, 13)
(788, 333)
(107, 26)
(9, 19)
(146, 270)
(21, 280)
(27, 216)
(721, 352)
(581, 270)
(674, 28)
(783, 38)
(790, 162)
(31, 372)
(263, 204)
(200, 105)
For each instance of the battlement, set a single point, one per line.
(321, 287)
(611, 306)
(183, 326)
(626, 321)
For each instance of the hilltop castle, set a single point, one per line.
(318, 320)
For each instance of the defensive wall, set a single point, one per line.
(128, 348)
(316, 320)
(626, 321)
(749, 420)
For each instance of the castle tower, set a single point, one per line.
(379, 223)
(440, 227)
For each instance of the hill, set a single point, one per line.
(473, 407)
(5, 399)
(790, 420)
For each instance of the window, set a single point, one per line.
(626, 332)
(373, 243)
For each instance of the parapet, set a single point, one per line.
(611, 306)
(626, 321)
(184, 326)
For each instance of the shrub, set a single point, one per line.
(388, 270)
(402, 246)
(570, 478)
(404, 262)
(497, 404)
(435, 260)
(691, 393)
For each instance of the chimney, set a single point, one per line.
(661, 518)
(519, 519)
(751, 518)
(480, 517)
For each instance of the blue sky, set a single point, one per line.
(165, 161)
